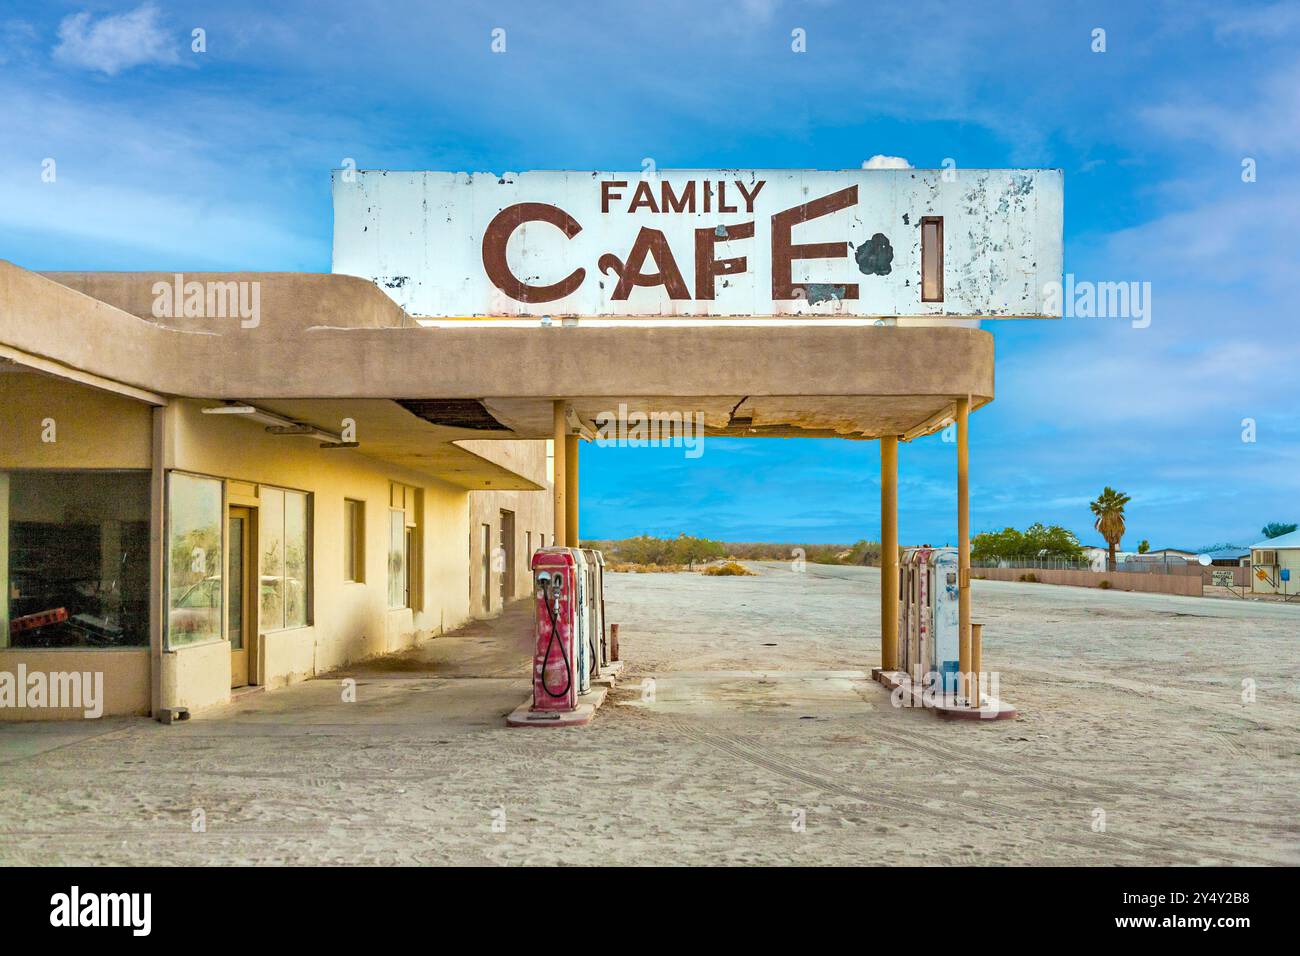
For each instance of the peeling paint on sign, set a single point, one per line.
(700, 243)
(875, 256)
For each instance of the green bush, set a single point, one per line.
(1036, 541)
(1104, 584)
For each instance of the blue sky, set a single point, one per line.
(168, 159)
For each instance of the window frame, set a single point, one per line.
(309, 546)
(937, 222)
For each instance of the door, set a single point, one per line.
(241, 593)
(507, 557)
(486, 589)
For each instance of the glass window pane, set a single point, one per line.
(194, 566)
(271, 543)
(76, 570)
(295, 559)
(354, 520)
(397, 559)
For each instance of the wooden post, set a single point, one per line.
(889, 553)
(963, 544)
(976, 660)
(571, 489)
(561, 480)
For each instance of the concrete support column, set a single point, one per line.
(571, 489)
(561, 444)
(963, 543)
(889, 553)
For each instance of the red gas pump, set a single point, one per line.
(555, 658)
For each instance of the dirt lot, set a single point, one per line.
(765, 742)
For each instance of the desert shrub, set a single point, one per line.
(728, 569)
(1104, 584)
(1029, 578)
(629, 567)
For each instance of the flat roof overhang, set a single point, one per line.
(339, 338)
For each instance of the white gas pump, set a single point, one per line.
(600, 645)
(928, 630)
(582, 608)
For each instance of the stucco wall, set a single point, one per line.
(350, 620)
(91, 428)
(126, 676)
(533, 511)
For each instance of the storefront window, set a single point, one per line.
(285, 542)
(76, 566)
(194, 567)
(295, 559)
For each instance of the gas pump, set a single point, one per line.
(582, 620)
(555, 661)
(596, 629)
(566, 595)
(928, 616)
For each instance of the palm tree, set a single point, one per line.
(1109, 509)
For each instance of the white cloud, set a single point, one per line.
(115, 43)
(880, 161)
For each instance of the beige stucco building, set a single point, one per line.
(217, 480)
(184, 553)
(373, 482)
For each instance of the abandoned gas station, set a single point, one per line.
(212, 481)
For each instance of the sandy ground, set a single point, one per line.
(765, 742)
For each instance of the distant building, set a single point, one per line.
(1276, 565)
(1167, 554)
(1229, 556)
(1096, 557)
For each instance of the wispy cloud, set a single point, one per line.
(115, 42)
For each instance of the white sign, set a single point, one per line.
(705, 243)
(1221, 579)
